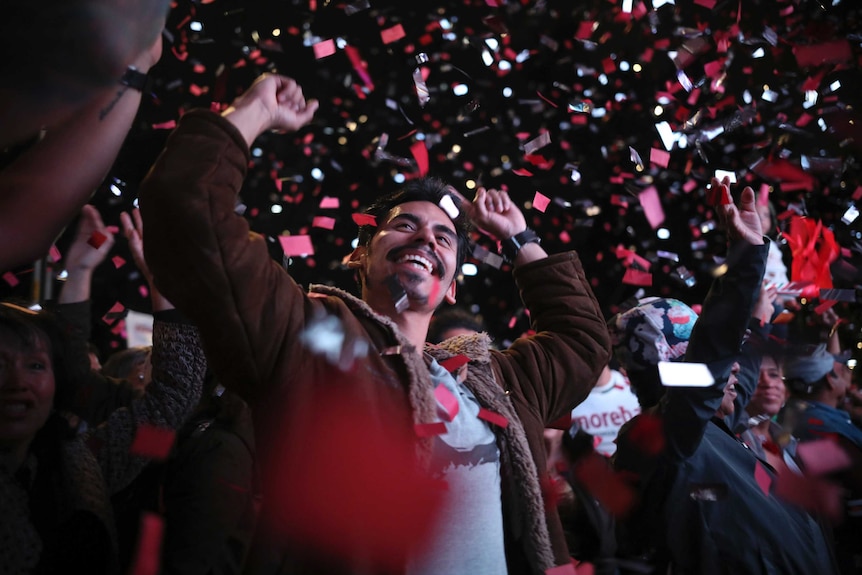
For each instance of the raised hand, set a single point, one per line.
(272, 102)
(92, 243)
(743, 222)
(495, 214)
(133, 228)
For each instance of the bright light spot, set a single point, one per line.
(851, 363)
(835, 85)
(116, 191)
(317, 174)
(469, 269)
(276, 32)
(505, 65)
(341, 43)
(637, 67)
(135, 203)
(256, 152)
(196, 26)
(275, 208)
(456, 148)
(658, 111)
(663, 233)
(746, 97)
(522, 56)
(507, 92)
(460, 90)
(492, 44)
(603, 80)
(624, 66)
(470, 184)
(355, 243)
(759, 53)
(487, 58)
(445, 24)
(721, 174)
(398, 178)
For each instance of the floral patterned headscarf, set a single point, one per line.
(655, 330)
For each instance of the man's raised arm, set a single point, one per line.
(201, 253)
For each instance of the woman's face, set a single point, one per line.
(26, 389)
(771, 393)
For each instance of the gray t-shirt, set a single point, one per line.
(468, 538)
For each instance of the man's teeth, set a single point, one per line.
(13, 408)
(418, 262)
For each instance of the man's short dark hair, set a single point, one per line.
(452, 318)
(420, 190)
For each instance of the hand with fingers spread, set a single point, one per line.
(272, 103)
(743, 222)
(133, 228)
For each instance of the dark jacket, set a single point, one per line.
(252, 314)
(708, 499)
(56, 514)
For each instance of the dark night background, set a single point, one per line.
(596, 79)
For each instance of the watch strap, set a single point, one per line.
(511, 246)
(134, 78)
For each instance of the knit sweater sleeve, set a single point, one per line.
(179, 367)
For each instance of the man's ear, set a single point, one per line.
(450, 292)
(356, 260)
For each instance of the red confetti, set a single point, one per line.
(153, 442)
(10, 279)
(296, 245)
(764, 481)
(494, 418)
(364, 219)
(447, 401)
(646, 434)
(594, 472)
(637, 278)
(148, 554)
(329, 203)
(453, 364)
(522, 172)
(814, 494)
(541, 201)
(659, 157)
(567, 569)
(114, 313)
(169, 125)
(118, 262)
(651, 204)
(324, 48)
(392, 34)
(97, 239)
(825, 53)
(420, 154)
(323, 222)
(822, 457)
(352, 478)
(429, 429)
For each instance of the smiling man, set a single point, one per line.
(473, 417)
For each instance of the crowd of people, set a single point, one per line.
(275, 429)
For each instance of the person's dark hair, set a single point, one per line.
(86, 42)
(69, 360)
(420, 190)
(121, 363)
(452, 318)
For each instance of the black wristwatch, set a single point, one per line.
(134, 78)
(511, 246)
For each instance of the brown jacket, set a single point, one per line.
(251, 315)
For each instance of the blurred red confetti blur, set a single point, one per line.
(153, 442)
